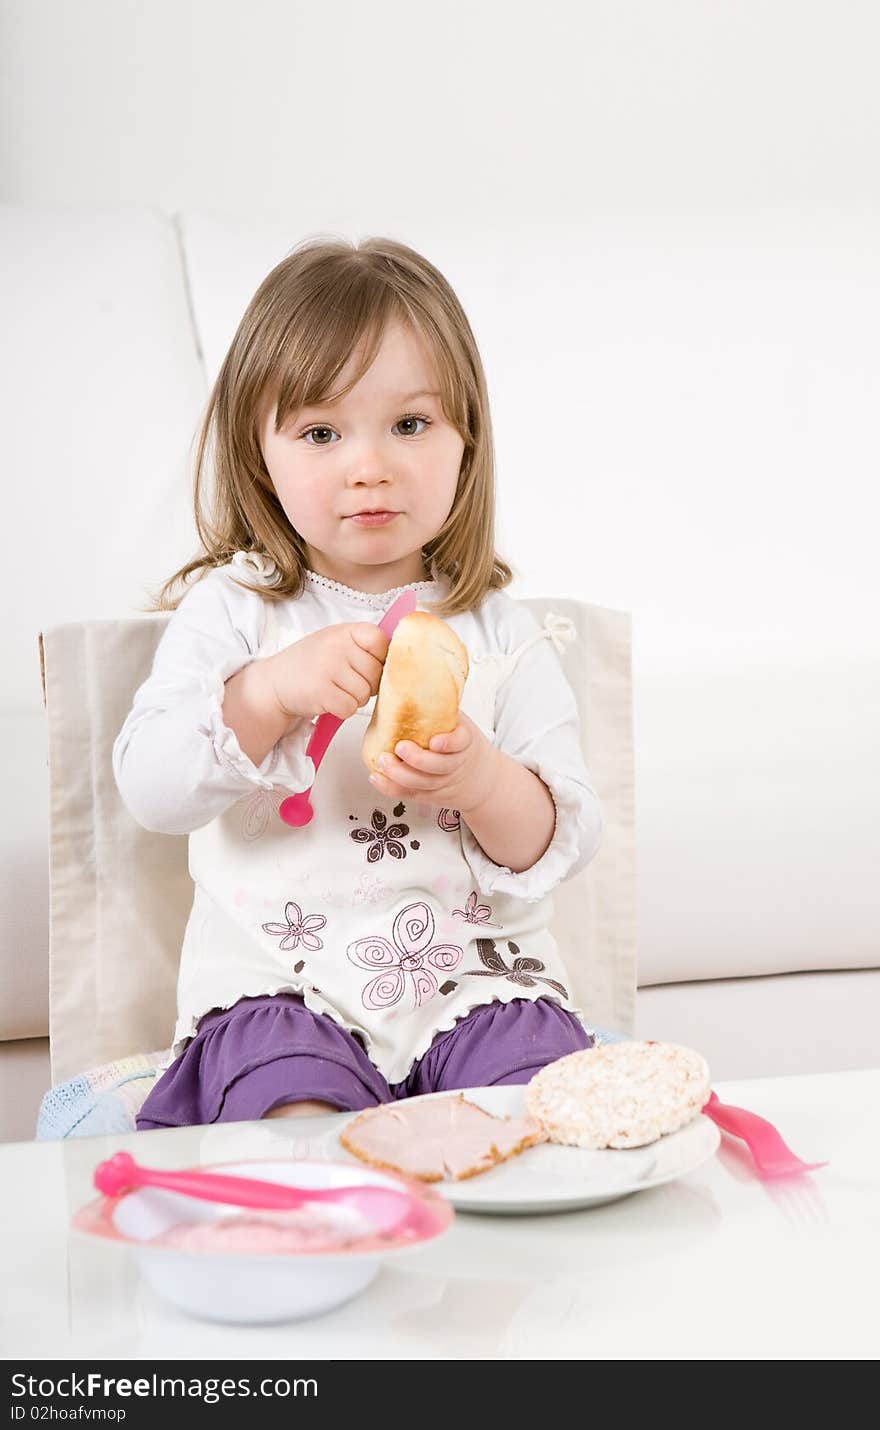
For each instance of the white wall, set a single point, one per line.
(485, 113)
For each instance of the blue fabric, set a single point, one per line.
(102, 1101)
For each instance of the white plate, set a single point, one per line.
(550, 1178)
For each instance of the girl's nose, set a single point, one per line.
(369, 468)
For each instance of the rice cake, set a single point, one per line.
(619, 1095)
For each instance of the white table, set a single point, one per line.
(716, 1265)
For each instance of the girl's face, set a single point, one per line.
(385, 446)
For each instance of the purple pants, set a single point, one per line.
(263, 1052)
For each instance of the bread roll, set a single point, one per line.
(420, 689)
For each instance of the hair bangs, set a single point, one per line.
(349, 317)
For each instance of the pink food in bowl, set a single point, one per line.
(267, 1232)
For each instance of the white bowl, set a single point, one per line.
(258, 1287)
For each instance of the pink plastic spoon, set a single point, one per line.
(296, 809)
(770, 1154)
(383, 1206)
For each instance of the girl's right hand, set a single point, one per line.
(330, 672)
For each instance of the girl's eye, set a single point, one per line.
(426, 421)
(321, 432)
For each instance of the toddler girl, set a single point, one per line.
(399, 943)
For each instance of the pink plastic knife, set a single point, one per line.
(296, 810)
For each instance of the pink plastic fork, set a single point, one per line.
(296, 809)
(770, 1154)
(383, 1206)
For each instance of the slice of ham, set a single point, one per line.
(439, 1137)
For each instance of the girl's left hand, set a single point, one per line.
(457, 772)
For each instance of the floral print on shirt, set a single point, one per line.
(382, 837)
(525, 972)
(404, 957)
(259, 810)
(297, 929)
(474, 913)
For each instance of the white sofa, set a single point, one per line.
(756, 702)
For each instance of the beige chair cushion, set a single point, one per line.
(120, 896)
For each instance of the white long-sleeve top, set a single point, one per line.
(385, 914)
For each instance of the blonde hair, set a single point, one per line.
(303, 323)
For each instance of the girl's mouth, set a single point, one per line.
(374, 518)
